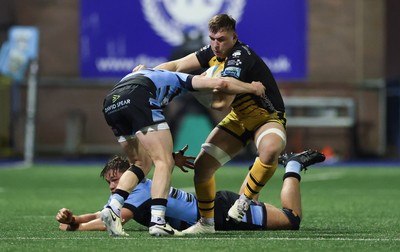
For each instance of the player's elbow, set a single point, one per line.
(219, 105)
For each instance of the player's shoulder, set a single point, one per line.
(241, 49)
(204, 55)
(204, 48)
(204, 52)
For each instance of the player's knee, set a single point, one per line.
(268, 148)
(293, 218)
(271, 131)
(269, 154)
(217, 153)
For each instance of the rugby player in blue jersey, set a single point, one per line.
(182, 210)
(134, 111)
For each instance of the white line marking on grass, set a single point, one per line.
(211, 238)
(322, 176)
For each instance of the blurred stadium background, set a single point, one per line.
(337, 63)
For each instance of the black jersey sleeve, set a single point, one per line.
(245, 65)
(204, 55)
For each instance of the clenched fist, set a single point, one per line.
(64, 215)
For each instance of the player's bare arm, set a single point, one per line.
(228, 85)
(221, 101)
(70, 222)
(235, 86)
(223, 93)
(186, 64)
(86, 222)
(139, 67)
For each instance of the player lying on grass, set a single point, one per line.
(182, 208)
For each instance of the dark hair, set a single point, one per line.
(115, 164)
(222, 21)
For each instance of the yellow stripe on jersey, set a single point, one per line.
(218, 70)
(245, 104)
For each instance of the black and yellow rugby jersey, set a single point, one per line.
(244, 64)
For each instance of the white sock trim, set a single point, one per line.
(293, 166)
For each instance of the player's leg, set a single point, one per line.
(123, 122)
(290, 193)
(289, 216)
(139, 159)
(159, 146)
(295, 163)
(270, 141)
(136, 154)
(220, 146)
(141, 164)
(128, 181)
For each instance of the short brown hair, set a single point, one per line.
(115, 164)
(222, 21)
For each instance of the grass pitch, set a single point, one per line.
(344, 209)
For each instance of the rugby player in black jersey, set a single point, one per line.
(258, 119)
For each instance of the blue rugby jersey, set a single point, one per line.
(168, 84)
(181, 209)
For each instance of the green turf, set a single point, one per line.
(345, 209)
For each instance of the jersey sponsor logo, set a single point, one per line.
(117, 106)
(174, 20)
(234, 62)
(236, 54)
(232, 71)
(205, 47)
(115, 98)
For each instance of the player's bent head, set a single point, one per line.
(222, 21)
(116, 164)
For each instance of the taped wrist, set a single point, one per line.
(73, 225)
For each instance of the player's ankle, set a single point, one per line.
(207, 221)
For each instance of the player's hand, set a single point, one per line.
(68, 227)
(64, 215)
(63, 227)
(184, 161)
(259, 88)
(139, 67)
